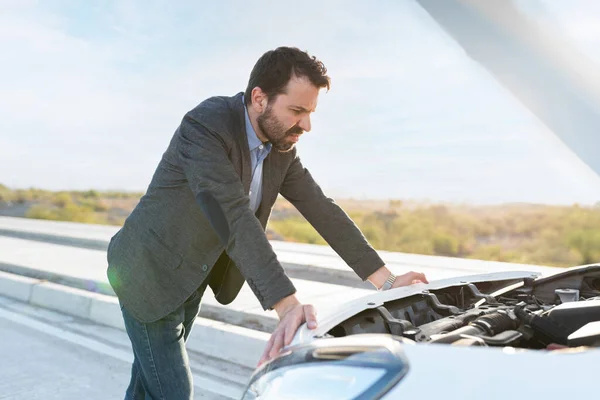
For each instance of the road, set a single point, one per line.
(47, 355)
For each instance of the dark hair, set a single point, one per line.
(275, 68)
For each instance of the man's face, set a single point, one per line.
(287, 116)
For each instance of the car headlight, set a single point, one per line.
(355, 367)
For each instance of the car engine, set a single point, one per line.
(556, 312)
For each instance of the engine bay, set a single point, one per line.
(556, 312)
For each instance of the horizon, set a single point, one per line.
(404, 201)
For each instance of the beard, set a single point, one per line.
(274, 130)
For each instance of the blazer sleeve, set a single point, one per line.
(220, 194)
(330, 221)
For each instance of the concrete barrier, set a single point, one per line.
(17, 287)
(300, 260)
(213, 338)
(232, 343)
(65, 299)
(106, 310)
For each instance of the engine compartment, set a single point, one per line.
(556, 312)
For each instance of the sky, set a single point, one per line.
(92, 93)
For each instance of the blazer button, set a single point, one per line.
(205, 268)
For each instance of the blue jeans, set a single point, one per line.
(160, 368)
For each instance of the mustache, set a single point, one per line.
(296, 130)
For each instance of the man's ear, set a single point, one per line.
(259, 99)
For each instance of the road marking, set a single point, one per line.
(200, 382)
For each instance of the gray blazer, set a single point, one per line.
(194, 223)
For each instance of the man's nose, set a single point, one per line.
(304, 123)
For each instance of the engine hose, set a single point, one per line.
(487, 325)
(493, 324)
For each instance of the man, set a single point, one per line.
(202, 222)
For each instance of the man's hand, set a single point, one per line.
(292, 314)
(409, 278)
(378, 278)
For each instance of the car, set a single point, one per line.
(485, 336)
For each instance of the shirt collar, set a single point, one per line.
(253, 140)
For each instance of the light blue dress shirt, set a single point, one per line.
(258, 153)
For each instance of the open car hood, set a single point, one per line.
(421, 305)
(486, 283)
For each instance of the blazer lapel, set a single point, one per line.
(270, 185)
(244, 164)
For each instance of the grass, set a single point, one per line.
(521, 233)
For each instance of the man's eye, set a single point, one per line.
(297, 111)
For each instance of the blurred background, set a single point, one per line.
(419, 143)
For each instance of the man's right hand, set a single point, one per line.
(291, 314)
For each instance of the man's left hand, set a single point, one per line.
(379, 277)
(409, 278)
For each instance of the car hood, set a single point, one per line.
(334, 315)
